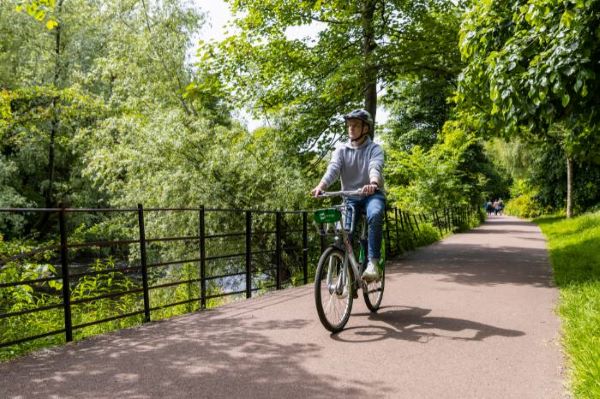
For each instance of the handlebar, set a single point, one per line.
(324, 194)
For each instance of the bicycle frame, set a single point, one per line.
(334, 289)
(346, 244)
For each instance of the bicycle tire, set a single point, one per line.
(373, 294)
(332, 303)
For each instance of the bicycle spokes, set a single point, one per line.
(333, 290)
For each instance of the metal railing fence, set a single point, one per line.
(271, 250)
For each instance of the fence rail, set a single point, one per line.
(293, 240)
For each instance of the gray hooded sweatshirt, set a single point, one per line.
(356, 166)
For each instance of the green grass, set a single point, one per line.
(575, 255)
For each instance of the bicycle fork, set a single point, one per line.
(337, 286)
(337, 276)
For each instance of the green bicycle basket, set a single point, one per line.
(329, 215)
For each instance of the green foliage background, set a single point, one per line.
(104, 104)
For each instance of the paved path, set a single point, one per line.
(469, 317)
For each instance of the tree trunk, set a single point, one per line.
(569, 186)
(49, 201)
(49, 194)
(54, 126)
(370, 70)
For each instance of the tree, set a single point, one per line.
(539, 170)
(304, 85)
(98, 62)
(454, 171)
(418, 110)
(41, 10)
(531, 73)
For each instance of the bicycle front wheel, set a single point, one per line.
(333, 290)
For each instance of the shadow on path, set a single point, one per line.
(413, 324)
(209, 355)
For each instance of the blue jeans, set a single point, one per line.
(375, 209)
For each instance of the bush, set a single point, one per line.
(524, 206)
(594, 209)
(426, 235)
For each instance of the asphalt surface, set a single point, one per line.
(472, 316)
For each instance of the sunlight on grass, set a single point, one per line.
(575, 255)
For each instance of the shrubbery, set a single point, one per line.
(523, 206)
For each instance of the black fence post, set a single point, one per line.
(398, 246)
(144, 264)
(305, 246)
(454, 215)
(202, 235)
(410, 226)
(278, 249)
(416, 223)
(248, 254)
(401, 220)
(444, 219)
(64, 263)
(388, 244)
(438, 223)
(322, 239)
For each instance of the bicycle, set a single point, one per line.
(338, 274)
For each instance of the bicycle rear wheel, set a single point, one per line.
(333, 290)
(373, 293)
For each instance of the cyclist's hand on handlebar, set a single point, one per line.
(369, 189)
(316, 192)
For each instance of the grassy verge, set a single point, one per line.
(575, 255)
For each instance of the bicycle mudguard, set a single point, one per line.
(328, 215)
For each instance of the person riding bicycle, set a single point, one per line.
(359, 165)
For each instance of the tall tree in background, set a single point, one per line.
(97, 66)
(304, 85)
(44, 108)
(532, 73)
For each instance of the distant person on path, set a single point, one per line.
(500, 206)
(495, 207)
(359, 165)
(489, 208)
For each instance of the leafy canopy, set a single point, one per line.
(304, 85)
(532, 70)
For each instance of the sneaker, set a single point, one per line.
(371, 273)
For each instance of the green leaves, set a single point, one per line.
(305, 85)
(552, 42)
(567, 18)
(41, 10)
(118, 65)
(453, 171)
(51, 24)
